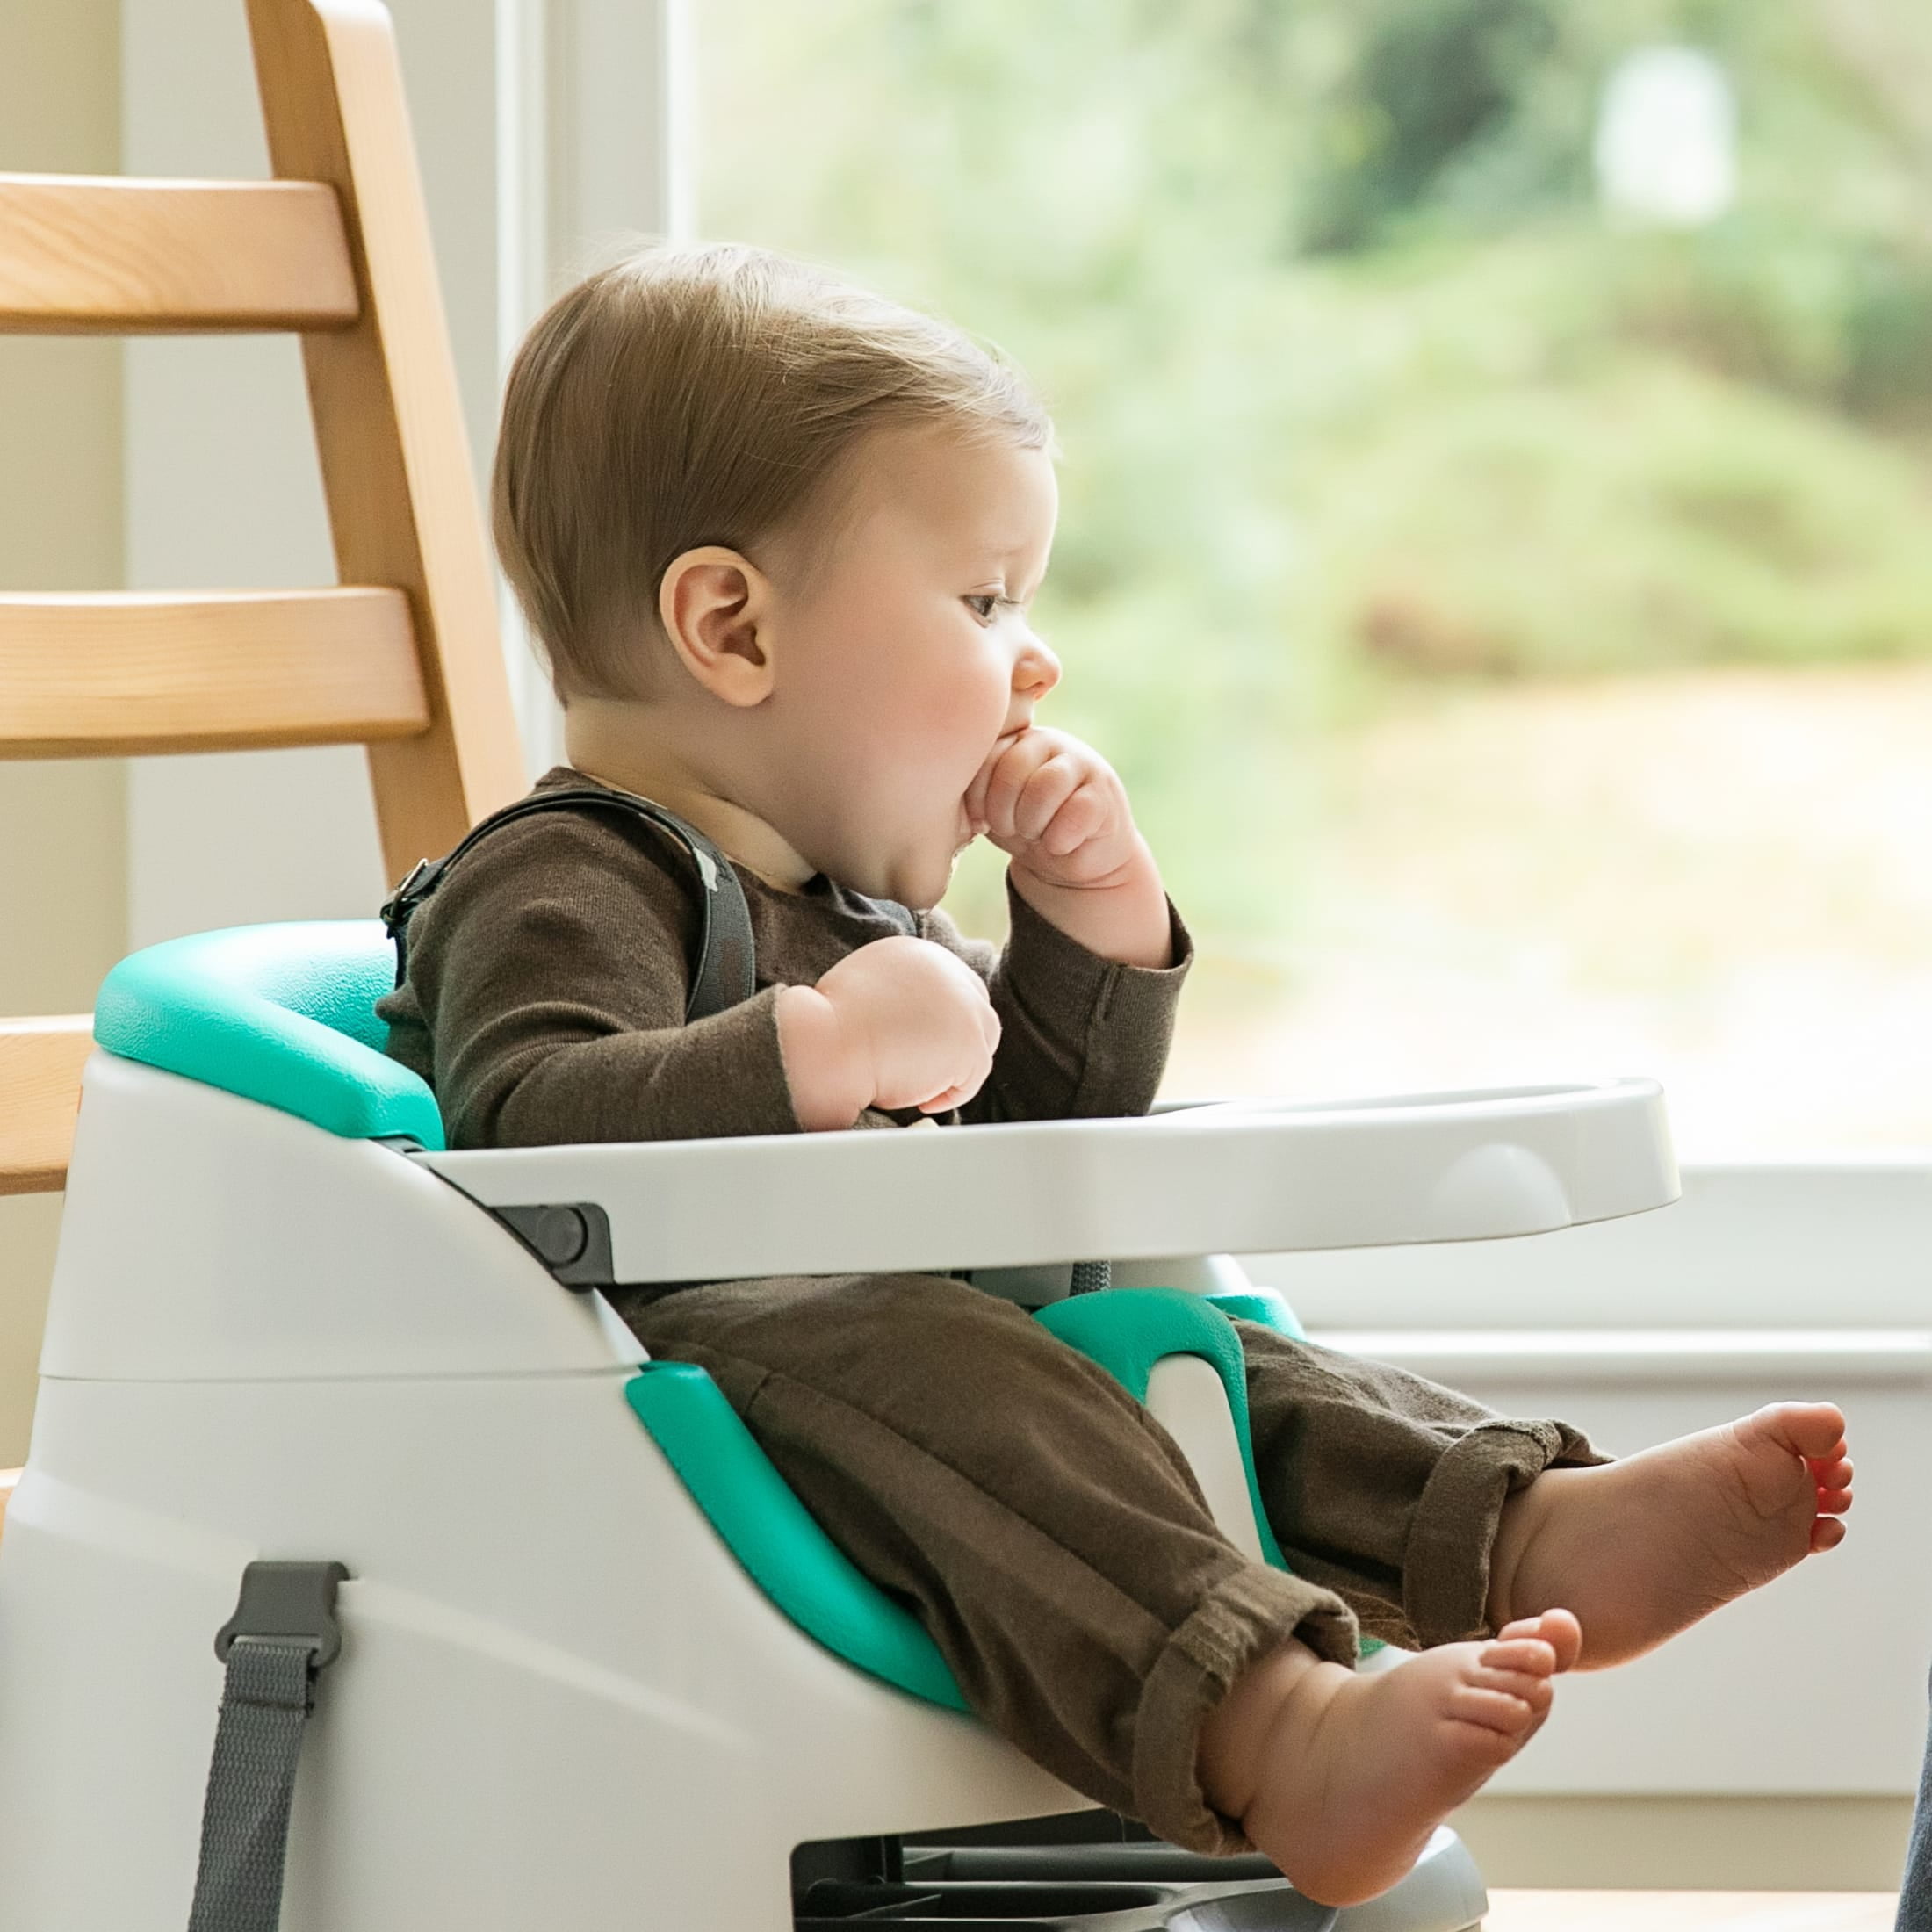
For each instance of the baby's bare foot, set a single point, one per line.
(1642, 1549)
(1351, 1773)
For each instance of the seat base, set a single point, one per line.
(1093, 1871)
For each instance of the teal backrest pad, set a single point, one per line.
(282, 1014)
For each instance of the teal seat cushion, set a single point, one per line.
(776, 1538)
(779, 1543)
(282, 1014)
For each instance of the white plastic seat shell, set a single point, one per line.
(560, 1699)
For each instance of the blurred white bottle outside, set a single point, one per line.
(1666, 147)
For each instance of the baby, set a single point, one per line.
(779, 540)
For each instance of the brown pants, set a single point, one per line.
(1051, 1537)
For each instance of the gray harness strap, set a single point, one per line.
(723, 969)
(281, 1636)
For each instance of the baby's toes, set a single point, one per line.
(1499, 1712)
(1810, 1430)
(1558, 1629)
(1534, 1689)
(1831, 1473)
(1520, 1656)
(1826, 1533)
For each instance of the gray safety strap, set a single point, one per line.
(281, 1636)
(724, 963)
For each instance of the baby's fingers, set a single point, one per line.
(989, 1027)
(1083, 816)
(975, 792)
(1007, 776)
(1047, 793)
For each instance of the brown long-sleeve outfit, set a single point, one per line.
(1046, 1530)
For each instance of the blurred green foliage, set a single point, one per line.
(1355, 384)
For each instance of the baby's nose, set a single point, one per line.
(1036, 671)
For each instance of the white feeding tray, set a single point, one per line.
(1236, 1178)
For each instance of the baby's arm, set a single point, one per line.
(1061, 813)
(546, 991)
(1087, 987)
(545, 1002)
(896, 1024)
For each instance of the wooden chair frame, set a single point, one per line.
(403, 655)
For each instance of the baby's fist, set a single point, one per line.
(1057, 807)
(899, 1023)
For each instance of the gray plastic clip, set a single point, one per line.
(282, 1602)
(572, 1238)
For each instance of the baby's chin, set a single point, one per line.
(914, 876)
(921, 881)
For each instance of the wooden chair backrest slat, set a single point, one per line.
(84, 676)
(41, 1065)
(389, 416)
(85, 256)
(405, 659)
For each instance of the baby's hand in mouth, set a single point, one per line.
(1055, 806)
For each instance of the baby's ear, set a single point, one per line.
(715, 605)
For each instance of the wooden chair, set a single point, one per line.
(402, 655)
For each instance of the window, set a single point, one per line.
(1497, 465)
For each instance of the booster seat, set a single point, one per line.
(594, 1673)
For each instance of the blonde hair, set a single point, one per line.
(688, 396)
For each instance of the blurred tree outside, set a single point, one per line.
(1366, 399)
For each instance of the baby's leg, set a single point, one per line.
(1045, 1529)
(1340, 1777)
(1389, 1488)
(1382, 1485)
(1641, 1549)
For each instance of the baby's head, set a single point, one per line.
(777, 537)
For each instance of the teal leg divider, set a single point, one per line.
(1127, 1330)
(1263, 1307)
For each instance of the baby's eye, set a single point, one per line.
(983, 603)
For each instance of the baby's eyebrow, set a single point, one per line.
(997, 556)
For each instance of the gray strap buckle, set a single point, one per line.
(287, 1604)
